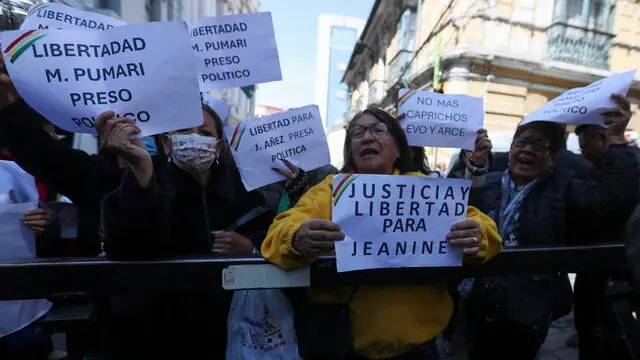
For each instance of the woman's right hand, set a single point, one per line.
(122, 137)
(316, 237)
(483, 148)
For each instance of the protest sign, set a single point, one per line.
(397, 221)
(439, 120)
(72, 76)
(59, 16)
(581, 106)
(235, 50)
(260, 144)
(220, 107)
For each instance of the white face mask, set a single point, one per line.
(193, 152)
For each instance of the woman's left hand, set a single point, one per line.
(466, 234)
(293, 172)
(37, 220)
(229, 242)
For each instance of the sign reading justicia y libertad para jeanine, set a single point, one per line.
(397, 221)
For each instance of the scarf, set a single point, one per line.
(511, 200)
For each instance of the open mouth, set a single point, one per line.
(526, 161)
(369, 152)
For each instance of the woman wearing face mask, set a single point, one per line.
(197, 206)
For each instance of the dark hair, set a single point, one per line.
(420, 160)
(552, 132)
(224, 157)
(228, 183)
(582, 129)
(404, 163)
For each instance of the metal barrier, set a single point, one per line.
(100, 277)
(40, 278)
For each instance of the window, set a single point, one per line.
(407, 30)
(592, 14)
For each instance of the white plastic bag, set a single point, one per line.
(260, 326)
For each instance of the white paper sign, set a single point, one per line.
(397, 221)
(145, 72)
(582, 105)
(260, 144)
(18, 242)
(220, 107)
(235, 50)
(440, 120)
(59, 16)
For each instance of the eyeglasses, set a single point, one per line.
(377, 130)
(538, 145)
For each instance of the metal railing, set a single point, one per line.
(578, 45)
(397, 67)
(100, 277)
(40, 278)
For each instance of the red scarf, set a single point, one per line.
(43, 189)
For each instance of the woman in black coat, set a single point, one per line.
(534, 203)
(196, 206)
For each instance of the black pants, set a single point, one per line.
(452, 288)
(506, 340)
(599, 333)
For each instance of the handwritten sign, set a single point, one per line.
(72, 76)
(582, 105)
(397, 221)
(260, 144)
(439, 120)
(220, 107)
(235, 50)
(59, 16)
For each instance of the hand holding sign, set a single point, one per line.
(229, 242)
(466, 234)
(293, 172)
(37, 220)
(617, 119)
(122, 137)
(483, 148)
(316, 237)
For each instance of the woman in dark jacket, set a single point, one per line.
(197, 206)
(534, 203)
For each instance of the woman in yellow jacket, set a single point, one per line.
(386, 322)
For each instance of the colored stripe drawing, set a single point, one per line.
(22, 43)
(403, 99)
(237, 136)
(36, 8)
(342, 186)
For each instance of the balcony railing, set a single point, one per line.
(397, 66)
(376, 91)
(577, 45)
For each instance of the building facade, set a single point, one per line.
(337, 35)
(266, 110)
(515, 54)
